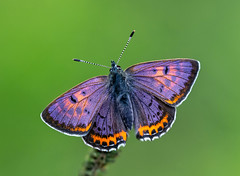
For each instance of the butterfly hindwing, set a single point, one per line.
(169, 80)
(108, 131)
(72, 112)
(154, 118)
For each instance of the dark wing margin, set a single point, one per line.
(72, 113)
(108, 132)
(152, 118)
(169, 80)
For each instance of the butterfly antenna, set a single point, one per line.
(79, 60)
(126, 46)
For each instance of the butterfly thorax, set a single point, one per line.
(117, 79)
(119, 90)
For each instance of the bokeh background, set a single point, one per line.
(38, 40)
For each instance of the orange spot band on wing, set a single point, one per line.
(81, 128)
(175, 99)
(122, 134)
(155, 127)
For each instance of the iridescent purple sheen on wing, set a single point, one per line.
(108, 131)
(153, 117)
(169, 80)
(72, 112)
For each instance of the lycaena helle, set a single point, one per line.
(103, 109)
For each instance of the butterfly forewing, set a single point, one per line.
(169, 80)
(72, 112)
(108, 131)
(153, 117)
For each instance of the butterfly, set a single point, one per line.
(103, 109)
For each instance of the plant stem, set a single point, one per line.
(97, 161)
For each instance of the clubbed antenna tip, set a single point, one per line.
(132, 33)
(79, 60)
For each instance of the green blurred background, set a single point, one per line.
(38, 40)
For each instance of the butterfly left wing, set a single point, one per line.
(108, 131)
(72, 113)
(152, 118)
(169, 80)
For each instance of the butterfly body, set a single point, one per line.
(120, 91)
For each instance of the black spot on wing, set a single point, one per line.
(160, 129)
(73, 99)
(166, 70)
(165, 124)
(153, 131)
(101, 116)
(104, 144)
(159, 107)
(150, 104)
(161, 88)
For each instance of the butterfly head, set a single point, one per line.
(117, 75)
(115, 68)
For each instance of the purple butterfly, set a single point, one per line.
(103, 109)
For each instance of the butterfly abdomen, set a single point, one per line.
(125, 109)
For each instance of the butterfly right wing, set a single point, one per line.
(108, 131)
(152, 117)
(72, 113)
